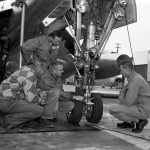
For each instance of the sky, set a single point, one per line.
(139, 32)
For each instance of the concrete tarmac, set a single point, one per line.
(88, 137)
(93, 139)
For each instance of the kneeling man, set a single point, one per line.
(19, 100)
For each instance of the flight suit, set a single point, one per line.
(134, 100)
(57, 101)
(41, 48)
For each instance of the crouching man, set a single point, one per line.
(19, 100)
(57, 101)
(134, 100)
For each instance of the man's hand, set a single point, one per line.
(43, 94)
(4, 38)
(78, 97)
(42, 102)
(78, 64)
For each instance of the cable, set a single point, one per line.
(129, 37)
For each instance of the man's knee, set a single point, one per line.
(66, 106)
(110, 110)
(38, 111)
(113, 109)
(70, 105)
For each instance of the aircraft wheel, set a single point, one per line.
(75, 115)
(95, 112)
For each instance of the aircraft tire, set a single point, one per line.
(75, 115)
(95, 112)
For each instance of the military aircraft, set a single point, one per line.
(90, 23)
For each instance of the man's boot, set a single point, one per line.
(125, 125)
(140, 126)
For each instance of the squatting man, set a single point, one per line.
(58, 102)
(19, 100)
(134, 100)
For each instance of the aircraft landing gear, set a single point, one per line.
(95, 111)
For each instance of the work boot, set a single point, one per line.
(29, 124)
(125, 125)
(3, 122)
(47, 123)
(54, 120)
(140, 125)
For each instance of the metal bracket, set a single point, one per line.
(19, 3)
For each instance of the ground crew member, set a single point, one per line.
(19, 100)
(134, 100)
(47, 47)
(50, 82)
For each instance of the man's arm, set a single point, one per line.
(27, 50)
(122, 95)
(70, 96)
(132, 93)
(46, 82)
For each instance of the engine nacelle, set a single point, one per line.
(108, 65)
